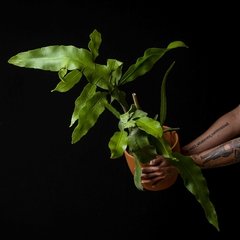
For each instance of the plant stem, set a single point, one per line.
(135, 100)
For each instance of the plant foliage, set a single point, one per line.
(137, 132)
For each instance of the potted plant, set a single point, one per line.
(138, 136)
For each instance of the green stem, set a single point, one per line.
(113, 110)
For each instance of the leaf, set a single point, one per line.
(87, 93)
(118, 144)
(115, 68)
(99, 75)
(94, 43)
(137, 174)
(163, 147)
(89, 115)
(54, 58)
(163, 103)
(120, 96)
(176, 44)
(195, 182)
(68, 81)
(150, 126)
(62, 73)
(140, 146)
(138, 114)
(145, 63)
(125, 117)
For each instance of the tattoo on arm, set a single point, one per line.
(225, 154)
(208, 137)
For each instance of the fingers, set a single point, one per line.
(155, 165)
(160, 161)
(153, 181)
(155, 178)
(157, 170)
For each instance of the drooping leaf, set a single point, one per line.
(89, 115)
(196, 183)
(118, 144)
(137, 174)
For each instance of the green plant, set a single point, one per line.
(141, 134)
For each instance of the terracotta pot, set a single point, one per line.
(172, 138)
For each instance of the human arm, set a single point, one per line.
(218, 146)
(223, 129)
(222, 155)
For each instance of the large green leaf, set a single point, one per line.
(145, 63)
(89, 115)
(54, 58)
(195, 182)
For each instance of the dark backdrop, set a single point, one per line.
(50, 187)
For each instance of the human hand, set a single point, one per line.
(159, 172)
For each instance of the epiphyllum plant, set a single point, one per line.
(140, 134)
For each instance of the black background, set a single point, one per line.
(50, 187)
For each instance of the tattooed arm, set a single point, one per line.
(224, 154)
(223, 129)
(218, 146)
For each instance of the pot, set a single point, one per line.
(172, 138)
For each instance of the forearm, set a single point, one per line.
(225, 154)
(222, 130)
